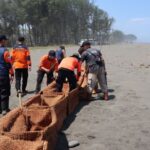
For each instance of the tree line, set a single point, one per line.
(117, 36)
(45, 22)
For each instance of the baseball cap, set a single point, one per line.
(3, 37)
(85, 43)
(52, 53)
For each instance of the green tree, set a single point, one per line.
(45, 22)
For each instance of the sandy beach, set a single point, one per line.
(123, 122)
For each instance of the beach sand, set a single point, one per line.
(123, 122)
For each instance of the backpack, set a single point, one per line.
(97, 56)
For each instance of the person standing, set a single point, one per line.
(48, 64)
(5, 71)
(96, 68)
(21, 60)
(60, 53)
(66, 70)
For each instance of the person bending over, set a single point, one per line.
(48, 64)
(66, 70)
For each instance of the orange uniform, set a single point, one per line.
(8, 60)
(66, 70)
(20, 57)
(48, 64)
(70, 63)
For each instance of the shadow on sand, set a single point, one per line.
(28, 92)
(62, 142)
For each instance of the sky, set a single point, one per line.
(131, 16)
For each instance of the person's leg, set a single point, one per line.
(0, 107)
(92, 81)
(0, 99)
(95, 90)
(50, 77)
(102, 82)
(24, 79)
(72, 80)
(60, 80)
(18, 79)
(5, 105)
(5, 93)
(40, 75)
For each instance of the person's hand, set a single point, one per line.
(46, 70)
(29, 68)
(55, 75)
(79, 74)
(11, 78)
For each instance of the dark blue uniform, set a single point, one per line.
(4, 81)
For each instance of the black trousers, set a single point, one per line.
(21, 74)
(62, 75)
(40, 76)
(4, 93)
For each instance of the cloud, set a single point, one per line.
(140, 20)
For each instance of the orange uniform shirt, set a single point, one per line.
(20, 57)
(48, 64)
(70, 63)
(8, 60)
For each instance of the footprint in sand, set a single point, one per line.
(90, 137)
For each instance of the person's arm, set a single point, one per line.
(56, 66)
(12, 51)
(7, 59)
(103, 61)
(81, 50)
(64, 52)
(41, 66)
(78, 69)
(83, 56)
(56, 69)
(45, 69)
(29, 59)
